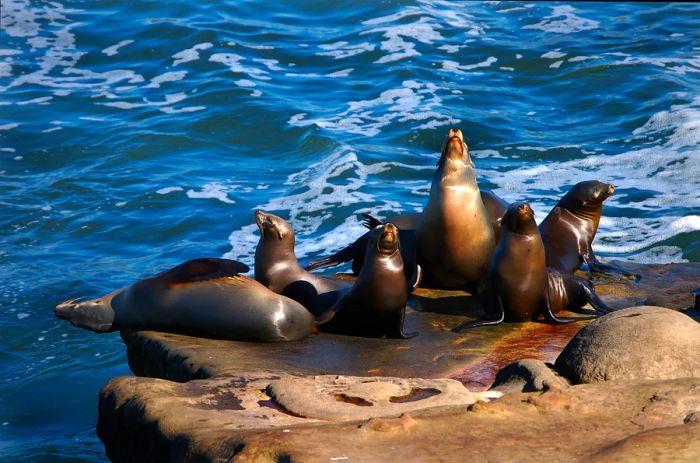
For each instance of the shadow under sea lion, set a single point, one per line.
(518, 287)
(202, 297)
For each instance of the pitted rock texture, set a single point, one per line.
(644, 342)
(348, 398)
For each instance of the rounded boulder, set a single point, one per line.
(644, 342)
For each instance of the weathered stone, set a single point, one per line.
(222, 419)
(643, 342)
(347, 398)
(528, 375)
(671, 444)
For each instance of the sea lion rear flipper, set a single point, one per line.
(551, 318)
(371, 221)
(594, 265)
(595, 300)
(354, 251)
(473, 324)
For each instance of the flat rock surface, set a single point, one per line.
(348, 398)
(472, 357)
(643, 342)
(145, 419)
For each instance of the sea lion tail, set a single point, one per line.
(370, 221)
(94, 315)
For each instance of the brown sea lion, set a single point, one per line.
(375, 305)
(569, 229)
(203, 297)
(277, 267)
(518, 287)
(457, 256)
(454, 238)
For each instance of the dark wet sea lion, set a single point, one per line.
(454, 238)
(277, 267)
(569, 229)
(518, 287)
(376, 304)
(204, 297)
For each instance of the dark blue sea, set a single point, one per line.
(137, 134)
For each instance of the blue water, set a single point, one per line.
(136, 135)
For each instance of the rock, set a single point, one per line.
(232, 419)
(643, 342)
(672, 444)
(527, 375)
(348, 398)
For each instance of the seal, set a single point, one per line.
(277, 267)
(518, 287)
(454, 238)
(569, 229)
(375, 306)
(408, 223)
(203, 297)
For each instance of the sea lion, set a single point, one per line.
(460, 191)
(454, 238)
(376, 304)
(518, 287)
(495, 208)
(569, 229)
(277, 267)
(206, 297)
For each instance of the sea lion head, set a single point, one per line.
(387, 239)
(455, 149)
(273, 228)
(519, 218)
(587, 195)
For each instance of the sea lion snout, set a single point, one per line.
(260, 217)
(454, 132)
(455, 147)
(525, 211)
(611, 189)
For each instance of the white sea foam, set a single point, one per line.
(556, 54)
(424, 30)
(413, 101)
(213, 190)
(114, 49)
(171, 76)
(453, 66)
(563, 20)
(235, 63)
(170, 189)
(190, 54)
(340, 50)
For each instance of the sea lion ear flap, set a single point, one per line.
(280, 234)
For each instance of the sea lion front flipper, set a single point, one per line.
(416, 279)
(353, 252)
(396, 330)
(371, 221)
(203, 269)
(475, 323)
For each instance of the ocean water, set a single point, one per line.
(136, 135)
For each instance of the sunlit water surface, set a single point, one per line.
(136, 135)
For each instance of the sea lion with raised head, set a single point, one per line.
(454, 238)
(569, 229)
(277, 267)
(375, 306)
(455, 241)
(518, 287)
(202, 297)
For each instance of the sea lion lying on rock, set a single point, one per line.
(202, 297)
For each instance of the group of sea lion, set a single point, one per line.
(465, 239)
